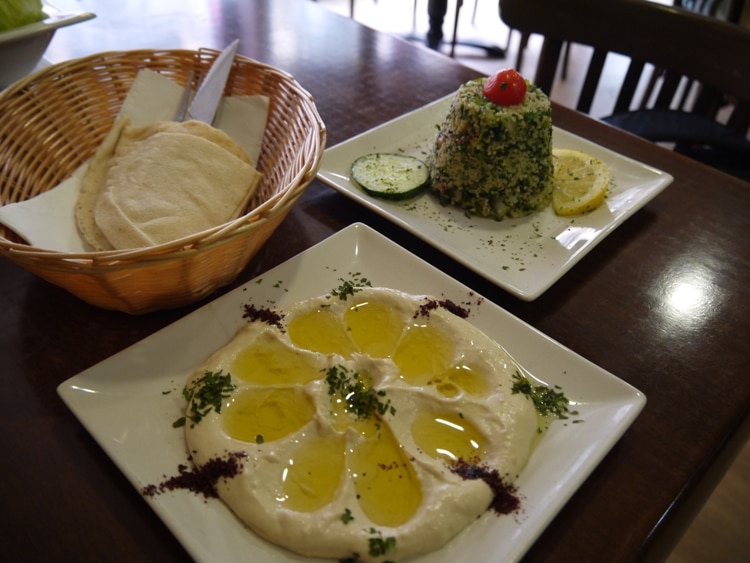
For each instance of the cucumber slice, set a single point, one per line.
(390, 176)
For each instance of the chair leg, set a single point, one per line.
(491, 50)
(459, 3)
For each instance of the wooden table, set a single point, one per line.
(660, 302)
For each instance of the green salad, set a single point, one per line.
(15, 13)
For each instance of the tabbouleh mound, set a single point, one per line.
(494, 161)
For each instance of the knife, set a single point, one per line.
(209, 94)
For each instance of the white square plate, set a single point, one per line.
(129, 401)
(524, 256)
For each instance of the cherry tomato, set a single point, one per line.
(506, 88)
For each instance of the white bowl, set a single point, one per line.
(22, 48)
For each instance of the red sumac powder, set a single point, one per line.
(504, 497)
(263, 314)
(199, 480)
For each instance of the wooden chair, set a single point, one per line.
(680, 44)
(492, 51)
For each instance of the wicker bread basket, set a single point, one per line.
(54, 120)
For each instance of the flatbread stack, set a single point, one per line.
(160, 182)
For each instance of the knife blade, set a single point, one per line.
(209, 94)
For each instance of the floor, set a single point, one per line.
(720, 531)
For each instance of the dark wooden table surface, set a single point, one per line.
(661, 303)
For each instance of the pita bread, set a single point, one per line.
(91, 184)
(167, 180)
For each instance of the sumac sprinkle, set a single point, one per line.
(263, 314)
(425, 309)
(200, 480)
(452, 307)
(504, 497)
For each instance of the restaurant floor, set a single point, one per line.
(719, 532)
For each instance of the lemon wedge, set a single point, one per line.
(581, 182)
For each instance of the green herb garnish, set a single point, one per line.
(350, 287)
(380, 545)
(547, 401)
(347, 517)
(205, 393)
(361, 400)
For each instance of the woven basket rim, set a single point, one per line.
(54, 69)
(277, 203)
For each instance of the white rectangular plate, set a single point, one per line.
(523, 256)
(129, 401)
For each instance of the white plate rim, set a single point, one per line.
(128, 401)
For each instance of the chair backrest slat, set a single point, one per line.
(549, 57)
(629, 86)
(740, 118)
(669, 86)
(588, 91)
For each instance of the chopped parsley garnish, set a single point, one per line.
(547, 401)
(380, 545)
(347, 517)
(361, 400)
(350, 287)
(205, 394)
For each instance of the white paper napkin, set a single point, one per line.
(48, 220)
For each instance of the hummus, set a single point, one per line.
(352, 414)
